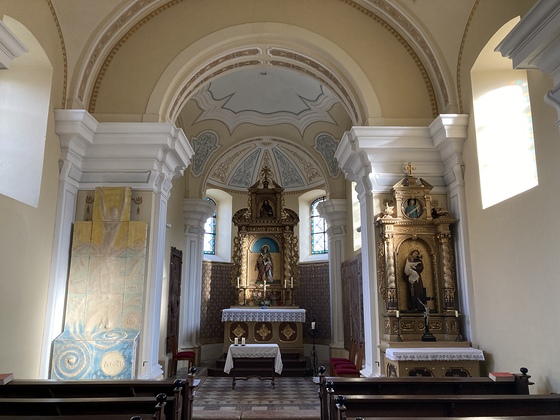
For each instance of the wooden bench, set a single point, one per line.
(430, 406)
(330, 387)
(76, 407)
(180, 392)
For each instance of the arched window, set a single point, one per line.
(319, 243)
(210, 232)
(504, 127)
(25, 90)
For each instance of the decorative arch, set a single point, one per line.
(123, 25)
(278, 45)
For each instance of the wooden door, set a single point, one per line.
(174, 301)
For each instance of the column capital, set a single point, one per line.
(334, 212)
(195, 212)
(375, 157)
(144, 156)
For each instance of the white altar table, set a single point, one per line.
(442, 353)
(274, 325)
(259, 314)
(262, 360)
(254, 351)
(460, 361)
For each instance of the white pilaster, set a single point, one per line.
(449, 133)
(76, 131)
(334, 212)
(195, 211)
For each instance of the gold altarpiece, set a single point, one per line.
(416, 280)
(265, 253)
(265, 261)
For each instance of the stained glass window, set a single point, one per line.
(319, 243)
(210, 233)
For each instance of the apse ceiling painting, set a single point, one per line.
(292, 167)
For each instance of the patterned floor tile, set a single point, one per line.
(254, 394)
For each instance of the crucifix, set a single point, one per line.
(428, 336)
(410, 168)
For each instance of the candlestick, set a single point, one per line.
(313, 325)
(243, 341)
(236, 341)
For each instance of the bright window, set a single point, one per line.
(504, 126)
(319, 240)
(25, 89)
(210, 232)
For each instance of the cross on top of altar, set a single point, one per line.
(410, 168)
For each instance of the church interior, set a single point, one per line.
(182, 175)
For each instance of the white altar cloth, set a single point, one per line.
(254, 351)
(434, 353)
(267, 315)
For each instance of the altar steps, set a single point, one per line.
(294, 365)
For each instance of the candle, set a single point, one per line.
(238, 282)
(243, 341)
(456, 314)
(398, 314)
(313, 325)
(236, 341)
(285, 284)
(292, 282)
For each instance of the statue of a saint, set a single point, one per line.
(264, 265)
(412, 269)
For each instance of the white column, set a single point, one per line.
(355, 164)
(149, 338)
(334, 212)
(195, 211)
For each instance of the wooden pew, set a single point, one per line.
(180, 392)
(430, 406)
(76, 407)
(330, 387)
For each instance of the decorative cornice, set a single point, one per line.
(10, 47)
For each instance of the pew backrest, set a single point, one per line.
(430, 406)
(330, 387)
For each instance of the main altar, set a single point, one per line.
(265, 261)
(276, 325)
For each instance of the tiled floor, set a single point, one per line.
(294, 398)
